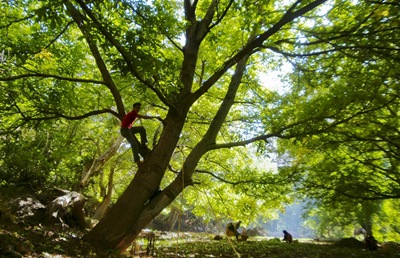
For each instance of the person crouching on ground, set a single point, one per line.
(287, 237)
(127, 130)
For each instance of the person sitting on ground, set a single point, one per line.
(128, 131)
(232, 229)
(287, 237)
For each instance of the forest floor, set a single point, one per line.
(23, 241)
(25, 232)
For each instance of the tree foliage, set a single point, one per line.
(72, 68)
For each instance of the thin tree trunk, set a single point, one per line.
(97, 164)
(172, 218)
(107, 199)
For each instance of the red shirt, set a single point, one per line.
(128, 119)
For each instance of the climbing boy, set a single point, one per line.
(128, 131)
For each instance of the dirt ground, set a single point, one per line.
(27, 231)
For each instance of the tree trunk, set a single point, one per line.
(107, 199)
(172, 218)
(78, 214)
(97, 164)
(142, 200)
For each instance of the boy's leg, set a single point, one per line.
(128, 135)
(142, 132)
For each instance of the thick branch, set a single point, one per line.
(124, 53)
(254, 46)
(335, 49)
(58, 77)
(55, 115)
(190, 9)
(80, 21)
(207, 19)
(25, 119)
(280, 134)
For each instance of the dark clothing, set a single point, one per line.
(134, 130)
(287, 237)
(371, 242)
(128, 132)
(231, 229)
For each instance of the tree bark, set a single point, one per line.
(107, 199)
(97, 164)
(173, 218)
(142, 201)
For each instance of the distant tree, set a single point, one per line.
(347, 158)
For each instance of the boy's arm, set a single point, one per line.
(149, 117)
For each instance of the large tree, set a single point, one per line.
(199, 62)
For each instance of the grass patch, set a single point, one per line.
(271, 249)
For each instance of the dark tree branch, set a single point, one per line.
(17, 20)
(190, 10)
(159, 28)
(55, 115)
(273, 181)
(109, 82)
(379, 194)
(124, 53)
(43, 75)
(59, 35)
(279, 133)
(383, 2)
(220, 18)
(255, 45)
(317, 53)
